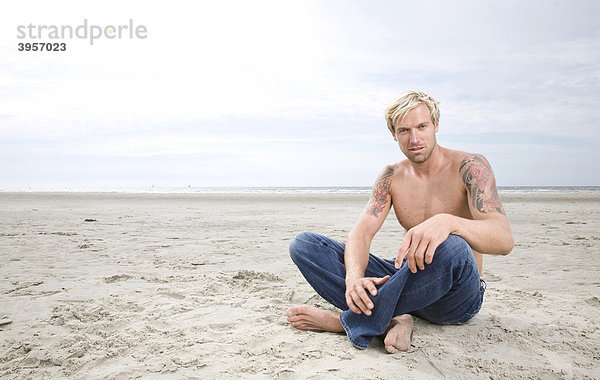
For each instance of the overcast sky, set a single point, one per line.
(292, 93)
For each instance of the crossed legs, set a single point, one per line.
(447, 291)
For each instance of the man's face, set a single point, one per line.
(415, 134)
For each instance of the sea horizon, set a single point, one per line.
(273, 189)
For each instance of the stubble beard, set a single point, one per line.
(419, 158)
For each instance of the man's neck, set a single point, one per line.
(431, 166)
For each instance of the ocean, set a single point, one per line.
(289, 190)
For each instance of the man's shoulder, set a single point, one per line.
(467, 159)
(462, 158)
(456, 155)
(393, 169)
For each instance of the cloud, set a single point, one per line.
(281, 88)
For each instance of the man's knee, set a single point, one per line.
(299, 246)
(454, 248)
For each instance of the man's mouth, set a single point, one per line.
(416, 149)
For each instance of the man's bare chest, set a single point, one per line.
(415, 203)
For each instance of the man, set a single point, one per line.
(447, 202)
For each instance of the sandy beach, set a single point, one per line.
(109, 285)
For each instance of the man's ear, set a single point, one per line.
(437, 127)
(394, 137)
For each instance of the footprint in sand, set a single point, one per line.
(172, 295)
(117, 277)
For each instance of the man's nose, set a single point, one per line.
(414, 138)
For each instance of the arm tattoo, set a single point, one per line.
(477, 175)
(381, 190)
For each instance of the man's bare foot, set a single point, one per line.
(306, 317)
(397, 337)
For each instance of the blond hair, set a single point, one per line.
(407, 101)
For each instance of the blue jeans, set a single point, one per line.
(448, 291)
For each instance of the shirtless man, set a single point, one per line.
(447, 202)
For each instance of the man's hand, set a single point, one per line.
(421, 241)
(357, 298)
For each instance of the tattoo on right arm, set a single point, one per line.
(381, 190)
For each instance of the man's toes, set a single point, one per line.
(297, 310)
(396, 341)
(296, 317)
(390, 343)
(297, 324)
(291, 311)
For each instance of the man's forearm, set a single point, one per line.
(491, 236)
(356, 255)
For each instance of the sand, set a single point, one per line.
(196, 286)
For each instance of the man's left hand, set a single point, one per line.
(421, 241)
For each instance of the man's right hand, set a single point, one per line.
(356, 293)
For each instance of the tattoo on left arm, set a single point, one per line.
(477, 175)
